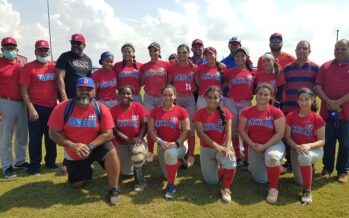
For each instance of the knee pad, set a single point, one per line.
(272, 160)
(138, 155)
(304, 159)
(170, 156)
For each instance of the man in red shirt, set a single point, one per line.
(13, 121)
(35, 77)
(282, 58)
(333, 89)
(84, 129)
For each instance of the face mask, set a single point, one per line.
(10, 54)
(42, 60)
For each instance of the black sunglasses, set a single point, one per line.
(76, 43)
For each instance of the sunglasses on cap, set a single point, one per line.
(78, 43)
(275, 40)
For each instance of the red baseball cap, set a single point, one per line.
(210, 50)
(78, 37)
(41, 44)
(8, 41)
(198, 41)
(276, 35)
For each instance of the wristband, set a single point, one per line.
(90, 147)
(160, 142)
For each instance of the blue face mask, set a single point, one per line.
(10, 54)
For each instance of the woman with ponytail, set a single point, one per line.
(273, 75)
(182, 76)
(127, 71)
(262, 127)
(240, 82)
(153, 77)
(217, 158)
(305, 134)
(209, 74)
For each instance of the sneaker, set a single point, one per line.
(150, 157)
(140, 187)
(272, 196)
(343, 178)
(244, 165)
(9, 173)
(51, 166)
(226, 197)
(24, 165)
(190, 161)
(35, 174)
(307, 197)
(170, 191)
(325, 174)
(113, 196)
(239, 163)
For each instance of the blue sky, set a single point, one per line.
(107, 24)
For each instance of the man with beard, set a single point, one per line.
(71, 66)
(282, 58)
(197, 47)
(84, 128)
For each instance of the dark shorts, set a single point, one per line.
(80, 170)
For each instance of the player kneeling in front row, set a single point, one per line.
(84, 128)
(217, 158)
(262, 127)
(305, 133)
(168, 125)
(130, 120)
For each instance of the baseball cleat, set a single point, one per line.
(272, 196)
(170, 191)
(9, 173)
(226, 197)
(113, 196)
(307, 197)
(140, 187)
(150, 157)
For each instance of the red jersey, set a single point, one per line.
(154, 76)
(303, 129)
(260, 124)
(240, 84)
(129, 121)
(212, 125)
(283, 60)
(128, 75)
(9, 79)
(168, 123)
(334, 79)
(41, 81)
(271, 78)
(105, 82)
(82, 126)
(209, 76)
(183, 78)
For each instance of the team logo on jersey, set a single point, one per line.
(92, 117)
(174, 119)
(134, 117)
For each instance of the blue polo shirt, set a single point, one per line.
(229, 61)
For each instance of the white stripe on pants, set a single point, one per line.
(14, 122)
(259, 161)
(210, 159)
(304, 159)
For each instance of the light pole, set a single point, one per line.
(337, 36)
(49, 27)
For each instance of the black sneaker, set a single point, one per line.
(9, 173)
(51, 166)
(24, 165)
(113, 196)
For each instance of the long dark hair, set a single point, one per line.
(219, 106)
(309, 92)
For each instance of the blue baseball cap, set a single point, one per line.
(85, 82)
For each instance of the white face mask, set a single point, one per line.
(42, 60)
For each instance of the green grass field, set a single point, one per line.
(48, 195)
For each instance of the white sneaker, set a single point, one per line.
(272, 196)
(150, 157)
(226, 197)
(307, 197)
